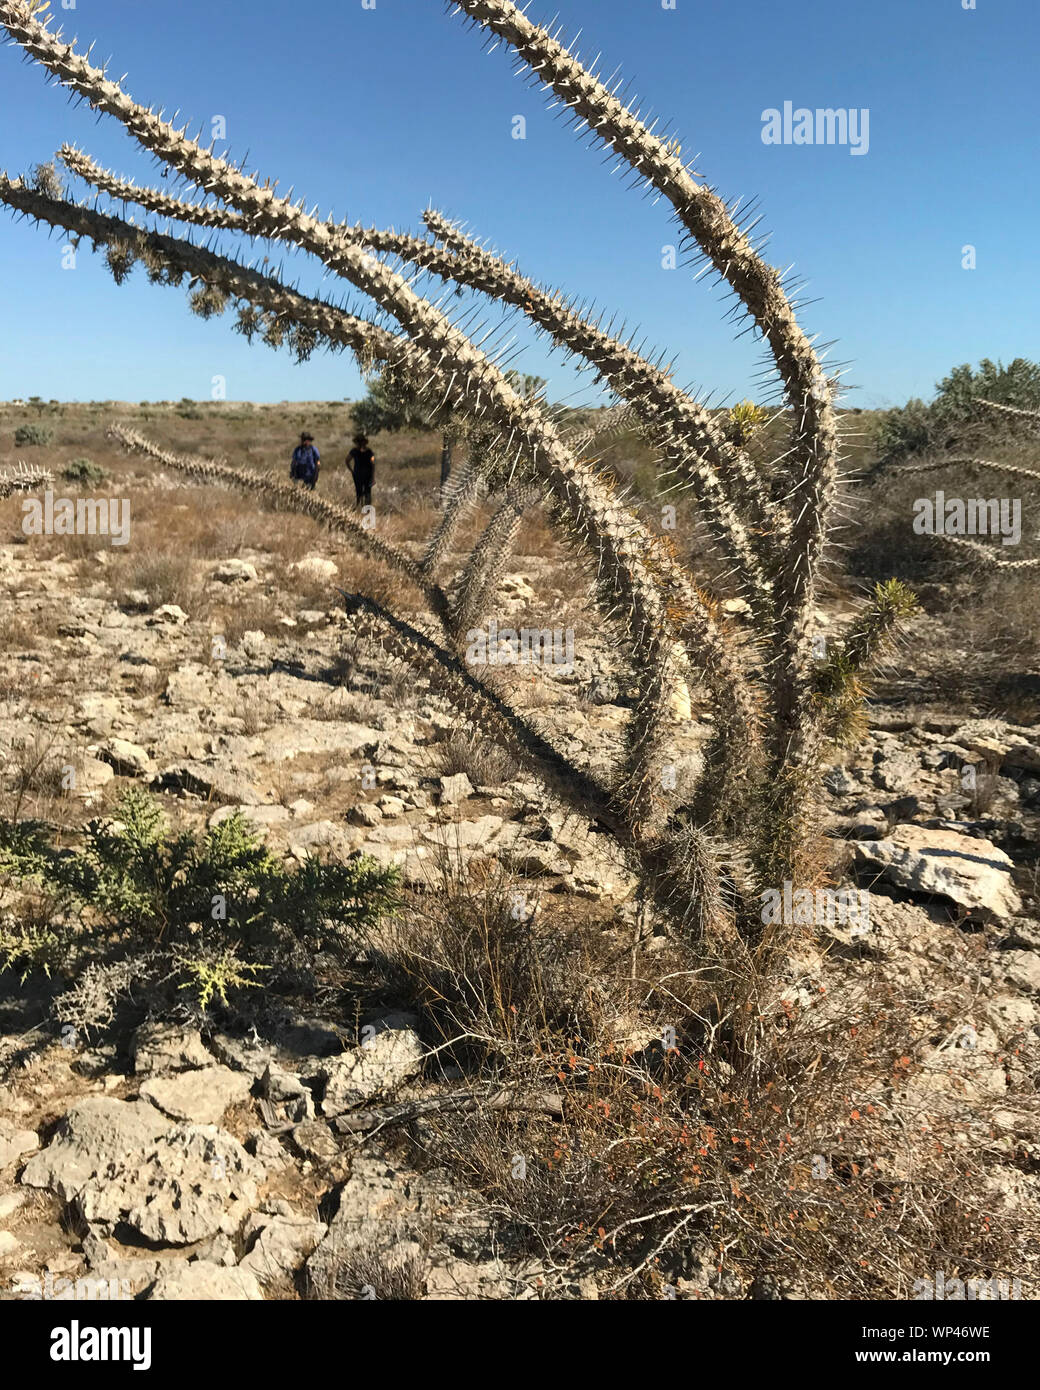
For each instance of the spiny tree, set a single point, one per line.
(704, 852)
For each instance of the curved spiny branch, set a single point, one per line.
(171, 258)
(479, 579)
(991, 556)
(641, 793)
(1013, 468)
(24, 477)
(1033, 416)
(701, 211)
(648, 387)
(151, 199)
(463, 489)
(487, 711)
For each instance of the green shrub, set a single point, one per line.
(207, 910)
(743, 420)
(907, 430)
(33, 436)
(85, 472)
(955, 416)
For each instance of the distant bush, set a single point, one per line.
(45, 179)
(85, 472)
(955, 414)
(906, 430)
(33, 436)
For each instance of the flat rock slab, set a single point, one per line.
(15, 1142)
(201, 1281)
(1021, 970)
(243, 1054)
(972, 873)
(122, 1163)
(90, 775)
(210, 782)
(381, 1209)
(234, 572)
(166, 1047)
(454, 789)
(192, 1183)
(91, 1136)
(281, 1247)
(417, 850)
(321, 836)
(259, 817)
(199, 1097)
(453, 1280)
(392, 1054)
(315, 567)
(128, 759)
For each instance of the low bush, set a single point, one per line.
(33, 436)
(84, 472)
(205, 912)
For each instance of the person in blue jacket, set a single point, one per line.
(306, 462)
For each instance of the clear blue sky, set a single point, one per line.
(374, 113)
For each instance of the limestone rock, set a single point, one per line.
(235, 572)
(199, 1097)
(390, 1055)
(380, 1210)
(15, 1142)
(281, 1247)
(218, 783)
(168, 615)
(191, 1183)
(165, 1047)
(1020, 969)
(128, 759)
(455, 789)
(88, 776)
(972, 873)
(95, 1133)
(322, 835)
(315, 567)
(261, 818)
(200, 1281)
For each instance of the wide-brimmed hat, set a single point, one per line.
(305, 436)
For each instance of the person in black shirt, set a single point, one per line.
(362, 464)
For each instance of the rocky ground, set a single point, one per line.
(186, 1161)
